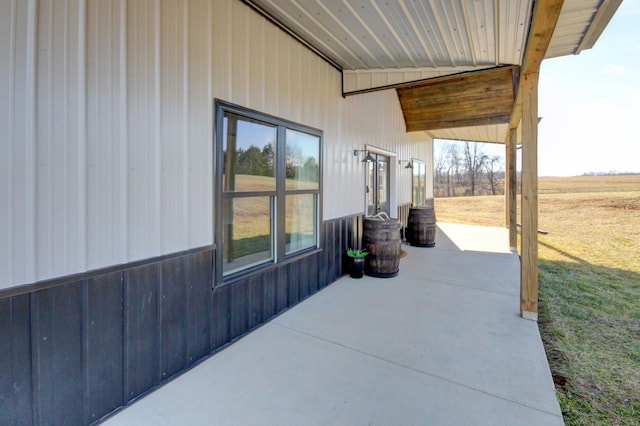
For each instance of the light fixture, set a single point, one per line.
(409, 163)
(367, 159)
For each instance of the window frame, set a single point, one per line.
(278, 226)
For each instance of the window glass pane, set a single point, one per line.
(383, 184)
(423, 184)
(247, 239)
(301, 224)
(302, 152)
(419, 183)
(371, 187)
(249, 152)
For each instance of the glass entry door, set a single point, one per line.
(378, 185)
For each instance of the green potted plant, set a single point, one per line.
(357, 262)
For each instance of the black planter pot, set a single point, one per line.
(357, 267)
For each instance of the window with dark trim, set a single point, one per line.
(269, 184)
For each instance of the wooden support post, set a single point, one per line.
(525, 112)
(529, 208)
(511, 188)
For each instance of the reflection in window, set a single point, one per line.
(247, 237)
(249, 155)
(302, 152)
(301, 224)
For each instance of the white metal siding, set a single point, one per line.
(107, 107)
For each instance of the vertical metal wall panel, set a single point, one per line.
(222, 63)
(60, 148)
(199, 303)
(293, 282)
(173, 82)
(199, 133)
(256, 293)
(297, 99)
(103, 337)
(57, 348)
(220, 327)
(8, 66)
(239, 307)
(240, 48)
(106, 134)
(332, 236)
(270, 307)
(284, 106)
(15, 362)
(144, 150)
(272, 69)
(282, 295)
(17, 122)
(173, 313)
(314, 277)
(142, 330)
(258, 61)
(305, 279)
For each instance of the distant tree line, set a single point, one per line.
(464, 169)
(610, 173)
(261, 162)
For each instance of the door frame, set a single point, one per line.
(393, 179)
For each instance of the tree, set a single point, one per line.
(464, 168)
(251, 162)
(269, 156)
(493, 168)
(311, 171)
(293, 159)
(454, 162)
(474, 159)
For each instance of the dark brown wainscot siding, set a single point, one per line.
(76, 350)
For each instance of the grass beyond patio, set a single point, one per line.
(589, 289)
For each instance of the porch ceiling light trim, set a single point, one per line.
(367, 159)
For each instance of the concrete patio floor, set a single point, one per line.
(441, 343)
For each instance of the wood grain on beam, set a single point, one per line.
(511, 187)
(473, 99)
(529, 198)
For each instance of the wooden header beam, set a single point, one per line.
(462, 100)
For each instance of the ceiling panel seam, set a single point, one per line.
(395, 34)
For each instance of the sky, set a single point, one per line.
(590, 103)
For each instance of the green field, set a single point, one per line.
(589, 265)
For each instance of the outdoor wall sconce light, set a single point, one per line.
(409, 163)
(367, 159)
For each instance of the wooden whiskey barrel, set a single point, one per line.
(421, 228)
(382, 240)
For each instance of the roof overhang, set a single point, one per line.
(413, 46)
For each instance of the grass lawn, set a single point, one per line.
(589, 279)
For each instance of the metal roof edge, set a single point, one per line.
(599, 22)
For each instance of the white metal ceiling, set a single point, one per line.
(392, 34)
